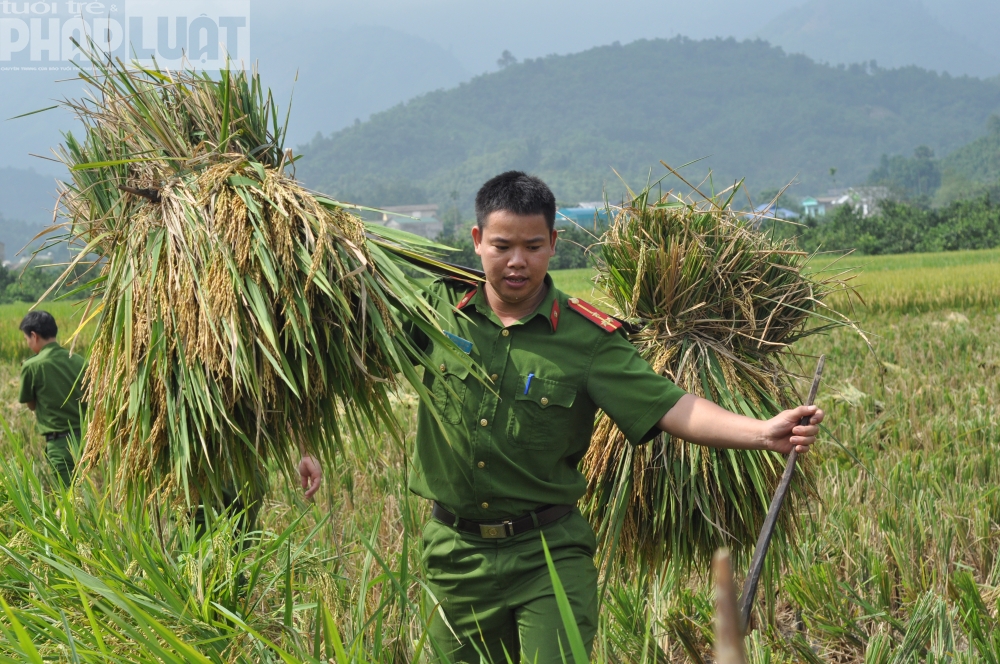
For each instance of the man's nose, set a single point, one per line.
(516, 258)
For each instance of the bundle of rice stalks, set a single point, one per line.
(715, 305)
(240, 316)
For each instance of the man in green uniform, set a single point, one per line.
(51, 387)
(500, 461)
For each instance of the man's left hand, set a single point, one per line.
(783, 433)
(311, 474)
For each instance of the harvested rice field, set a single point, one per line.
(896, 559)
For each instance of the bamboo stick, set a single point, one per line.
(764, 541)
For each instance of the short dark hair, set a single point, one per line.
(41, 323)
(515, 192)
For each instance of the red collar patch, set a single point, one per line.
(602, 320)
(554, 315)
(468, 298)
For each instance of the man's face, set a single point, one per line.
(515, 250)
(34, 341)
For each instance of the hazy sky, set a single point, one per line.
(477, 31)
(331, 42)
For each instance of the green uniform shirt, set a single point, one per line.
(52, 379)
(510, 455)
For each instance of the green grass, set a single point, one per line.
(942, 259)
(910, 283)
(579, 283)
(924, 282)
(897, 562)
(67, 314)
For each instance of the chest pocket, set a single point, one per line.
(449, 388)
(540, 419)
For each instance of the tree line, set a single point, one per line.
(573, 250)
(901, 227)
(27, 284)
(570, 119)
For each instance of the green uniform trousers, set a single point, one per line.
(60, 456)
(497, 594)
(249, 508)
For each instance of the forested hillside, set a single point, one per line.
(26, 202)
(748, 108)
(973, 168)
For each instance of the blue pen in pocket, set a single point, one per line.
(527, 383)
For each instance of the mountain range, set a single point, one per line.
(331, 78)
(27, 199)
(354, 59)
(745, 109)
(895, 33)
(477, 32)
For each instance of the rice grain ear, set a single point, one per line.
(242, 314)
(719, 305)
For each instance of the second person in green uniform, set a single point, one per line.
(51, 386)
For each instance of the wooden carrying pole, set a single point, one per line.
(728, 635)
(757, 562)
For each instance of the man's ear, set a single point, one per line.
(553, 239)
(477, 239)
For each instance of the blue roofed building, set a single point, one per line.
(583, 214)
(769, 210)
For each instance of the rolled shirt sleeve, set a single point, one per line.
(27, 384)
(625, 387)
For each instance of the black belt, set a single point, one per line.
(49, 437)
(506, 528)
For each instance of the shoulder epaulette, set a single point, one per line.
(459, 281)
(468, 298)
(602, 320)
(460, 285)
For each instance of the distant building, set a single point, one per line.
(768, 210)
(583, 214)
(819, 207)
(868, 199)
(865, 199)
(417, 219)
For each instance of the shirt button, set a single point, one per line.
(545, 401)
(483, 422)
(506, 333)
(494, 377)
(485, 506)
(443, 368)
(481, 464)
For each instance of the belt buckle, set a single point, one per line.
(496, 530)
